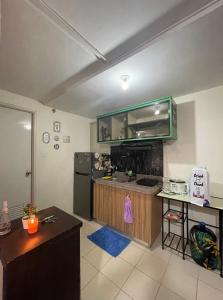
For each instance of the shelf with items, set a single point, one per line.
(174, 216)
(182, 242)
(155, 119)
(148, 129)
(151, 121)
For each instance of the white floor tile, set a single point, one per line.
(211, 278)
(158, 251)
(132, 254)
(99, 288)
(123, 296)
(86, 246)
(184, 266)
(206, 292)
(180, 282)
(98, 257)
(89, 229)
(87, 272)
(140, 245)
(141, 287)
(117, 270)
(165, 294)
(152, 266)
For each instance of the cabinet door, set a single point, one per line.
(150, 121)
(119, 126)
(142, 216)
(97, 205)
(129, 228)
(117, 220)
(117, 215)
(102, 203)
(104, 129)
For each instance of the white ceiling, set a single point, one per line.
(48, 50)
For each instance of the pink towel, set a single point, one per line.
(128, 217)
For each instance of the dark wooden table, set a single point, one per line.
(44, 265)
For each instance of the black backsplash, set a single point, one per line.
(141, 158)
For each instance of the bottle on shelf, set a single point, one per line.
(5, 224)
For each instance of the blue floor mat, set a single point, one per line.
(109, 240)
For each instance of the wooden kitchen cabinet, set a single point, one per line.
(102, 203)
(109, 209)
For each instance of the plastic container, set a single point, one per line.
(5, 224)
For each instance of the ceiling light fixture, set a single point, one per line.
(125, 82)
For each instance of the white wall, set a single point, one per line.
(53, 168)
(199, 142)
(200, 139)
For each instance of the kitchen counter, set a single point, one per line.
(109, 204)
(131, 186)
(215, 202)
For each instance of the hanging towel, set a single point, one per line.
(128, 217)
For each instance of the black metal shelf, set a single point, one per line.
(181, 243)
(177, 240)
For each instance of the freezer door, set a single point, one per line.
(83, 162)
(83, 195)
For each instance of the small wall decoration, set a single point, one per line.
(56, 146)
(56, 126)
(66, 139)
(46, 137)
(56, 138)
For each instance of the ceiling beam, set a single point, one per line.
(59, 21)
(182, 15)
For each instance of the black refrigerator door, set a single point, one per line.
(83, 195)
(83, 162)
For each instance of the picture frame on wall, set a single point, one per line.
(66, 139)
(56, 138)
(46, 137)
(56, 126)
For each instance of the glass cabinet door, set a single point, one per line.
(119, 126)
(150, 121)
(104, 129)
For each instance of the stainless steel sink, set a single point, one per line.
(119, 180)
(147, 182)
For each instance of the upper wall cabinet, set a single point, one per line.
(156, 119)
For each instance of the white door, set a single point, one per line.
(15, 158)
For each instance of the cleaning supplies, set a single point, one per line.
(128, 216)
(5, 225)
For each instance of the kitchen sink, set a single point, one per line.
(119, 180)
(147, 182)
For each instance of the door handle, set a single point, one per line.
(28, 173)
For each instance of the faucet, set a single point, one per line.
(113, 170)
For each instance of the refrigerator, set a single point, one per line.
(87, 167)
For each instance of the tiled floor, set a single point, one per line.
(140, 273)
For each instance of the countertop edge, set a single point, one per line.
(131, 186)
